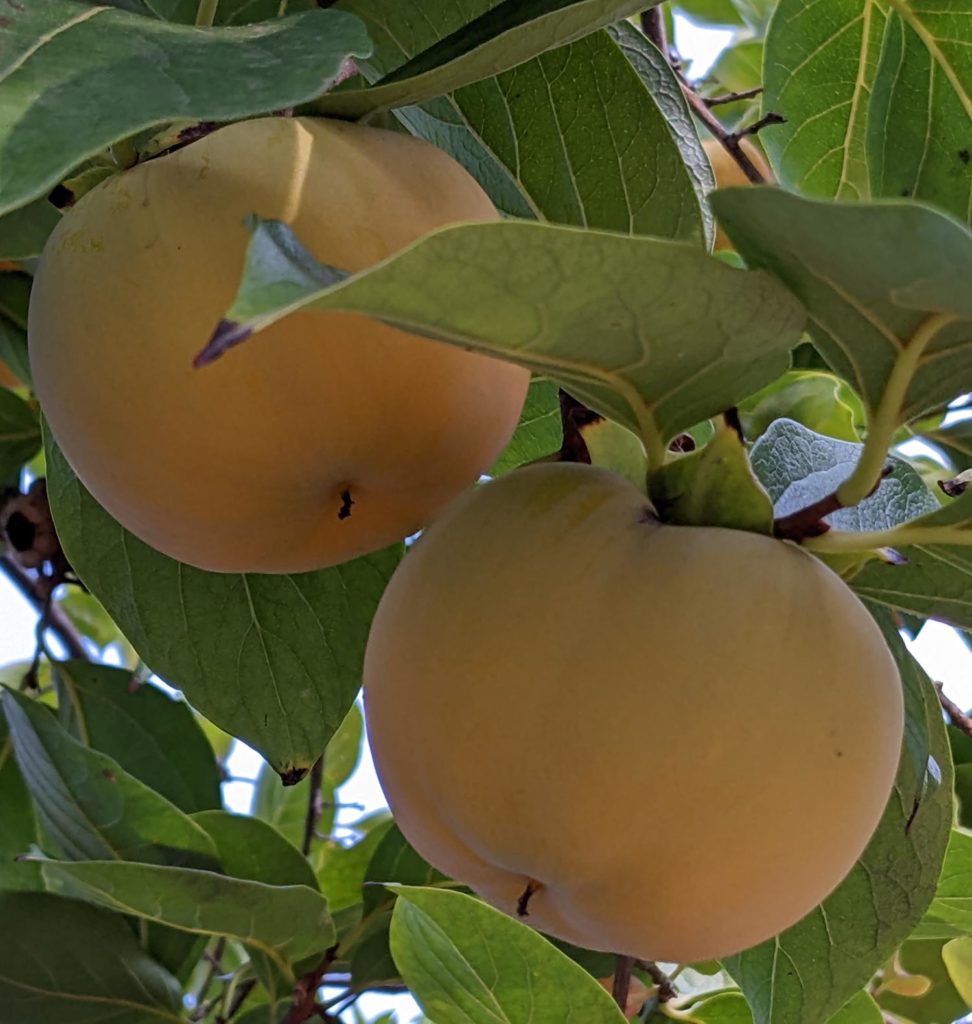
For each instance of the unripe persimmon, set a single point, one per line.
(324, 437)
(728, 173)
(670, 742)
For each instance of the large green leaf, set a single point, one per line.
(20, 433)
(275, 660)
(809, 971)
(18, 827)
(876, 97)
(24, 231)
(879, 281)
(251, 849)
(88, 805)
(152, 736)
(467, 963)
(63, 962)
(283, 923)
(592, 133)
(76, 78)
(952, 905)
(654, 334)
(501, 38)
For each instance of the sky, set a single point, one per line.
(940, 650)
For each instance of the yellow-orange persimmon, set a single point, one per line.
(728, 173)
(328, 435)
(670, 742)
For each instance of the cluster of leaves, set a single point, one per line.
(123, 883)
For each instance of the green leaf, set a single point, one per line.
(251, 849)
(859, 1009)
(952, 905)
(620, 322)
(62, 962)
(13, 349)
(538, 433)
(934, 1000)
(876, 99)
(724, 1008)
(877, 280)
(798, 466)
(592, 133)
(281, 922)
(18, 827)
(499, 39)
(88, 616)
(90, 806)
(962, 758)
(820, 401)
(274, 660)
(76, 79)
(393, 860)
(20, 433)
(957, 955)
(713, 486)
(150, 735)
(467, 963)
(617, 449)
(285, 807)
(809, 971)
(23, 232)
(342, 869)
(710, 12)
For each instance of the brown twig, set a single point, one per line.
(621, 984)
(763, 122)
(728, 140)
(653, 26)
(732, 97)
(315, 805)
(960, 719)
(809, 521)
(304, 1004)
(51, 614)
(666, 987)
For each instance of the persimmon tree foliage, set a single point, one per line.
(278, 281)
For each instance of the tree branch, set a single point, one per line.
(653, 26)
(623, 965)
(959, 718)
(315, 806)
(54, 617)
(732, 97)
(666, 987)
(304, 1004)
(728, 140)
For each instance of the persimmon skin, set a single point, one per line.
(729, 174)
(326, 436)
(685, 736)
(7, 379)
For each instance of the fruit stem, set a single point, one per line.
(206, 13)
(887, 417)
(621, 985)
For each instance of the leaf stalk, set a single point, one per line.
(887, 417)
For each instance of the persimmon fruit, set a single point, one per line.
(670, 742)
(324, 437)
